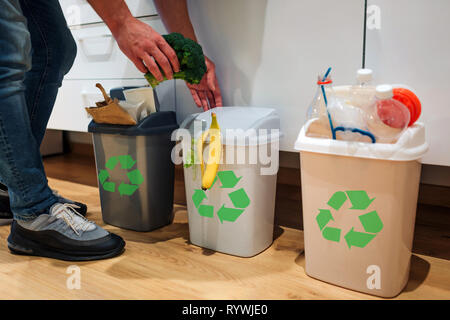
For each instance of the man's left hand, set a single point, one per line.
(207, 94)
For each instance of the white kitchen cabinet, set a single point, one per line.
(99, 56)
(410, 44)
(79, 12)
(99, 59)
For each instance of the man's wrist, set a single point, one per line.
(117, 22)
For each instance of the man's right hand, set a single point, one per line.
(146, 48)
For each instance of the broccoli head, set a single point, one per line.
(191, 58)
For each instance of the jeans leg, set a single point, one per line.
(20, 159)
(53, 53)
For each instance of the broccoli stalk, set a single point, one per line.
(191, 58)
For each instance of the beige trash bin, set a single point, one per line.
(359, 209)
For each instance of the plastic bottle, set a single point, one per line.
(386, 117)
(317, 115)
(363, 91)
(337, 112)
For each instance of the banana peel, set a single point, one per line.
(209, 172)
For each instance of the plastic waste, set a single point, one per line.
(317, 110)
(144, 94)
(331, 116)
(386, 117)
(361, 112)
(136, 110)
(410, 100)
(363, 92)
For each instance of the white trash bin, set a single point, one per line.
(236, 215)
(359, 209)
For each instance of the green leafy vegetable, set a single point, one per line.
(191, 58)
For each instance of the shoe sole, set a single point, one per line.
(34, 250)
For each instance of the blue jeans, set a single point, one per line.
(36, 51)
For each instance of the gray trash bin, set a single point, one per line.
(136, 172)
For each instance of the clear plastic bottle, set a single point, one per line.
(337, 112)
(386, 118)
(317, 115)
(363, 92)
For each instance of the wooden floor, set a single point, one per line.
(163, 265)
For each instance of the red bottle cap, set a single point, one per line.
(410, 100)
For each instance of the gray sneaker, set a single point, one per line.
(80, 207)
(63, 234)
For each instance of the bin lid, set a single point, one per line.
(240, 126)
(155, 123)
(410, 146)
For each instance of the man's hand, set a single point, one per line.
(207, 94)
(146, 49)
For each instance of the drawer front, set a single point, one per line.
(75, 95)
(78, 12)
(99, 56)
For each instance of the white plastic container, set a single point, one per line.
(359, 208)
(144, 94)
(236, 215)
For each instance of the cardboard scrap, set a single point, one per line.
(109, 111)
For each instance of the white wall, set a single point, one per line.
(269, 52)
(412, 46)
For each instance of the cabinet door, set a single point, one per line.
(99, 56)
(408, 42)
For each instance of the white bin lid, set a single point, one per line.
(410, 146)
(247, 120)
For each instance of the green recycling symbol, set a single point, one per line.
(370, 221)
(127, 163)
(238, 198)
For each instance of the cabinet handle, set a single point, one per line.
(106, 35)
(95, 47)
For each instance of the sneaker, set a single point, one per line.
(6, 215)
(81, 207)
(63, 234)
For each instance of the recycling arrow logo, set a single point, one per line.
(370, 221)
(134, 176)
(239, 199)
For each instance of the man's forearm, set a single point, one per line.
(114, 12)
(175, 16)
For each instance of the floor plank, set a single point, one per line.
(163, 265)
